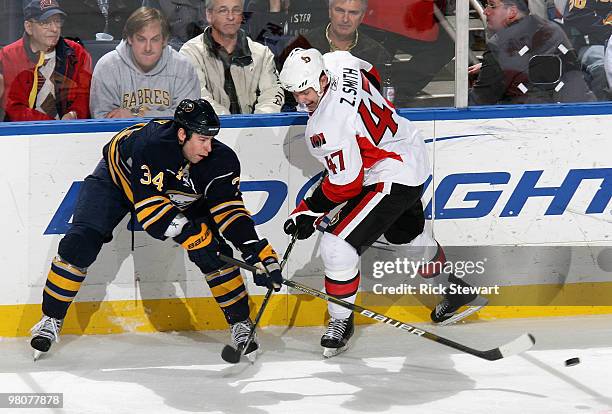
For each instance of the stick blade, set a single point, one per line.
(517, 346)
(231, 354)
(520, 344)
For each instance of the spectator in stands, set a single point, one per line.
(275, 23)
(608, 66)
(45, 76)
(592, 19)
(89, 17)
(185, 17)
(503, 76)
(412, 27)
(341, 33)
(143, 76)
(1, 96)
(11, 21)
(237, 75)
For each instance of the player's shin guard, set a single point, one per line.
(227, 286)
(340, 327)
(63, 283)
(342, 281)
(342, 285)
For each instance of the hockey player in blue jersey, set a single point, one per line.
(181, 183)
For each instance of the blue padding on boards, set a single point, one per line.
(292, 118)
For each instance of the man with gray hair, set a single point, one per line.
(237, 75)
(342, 33)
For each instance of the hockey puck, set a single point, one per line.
(572, 361)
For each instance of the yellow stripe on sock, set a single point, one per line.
(62, 282)
(233, 300)
(227, 287)
(57, 295)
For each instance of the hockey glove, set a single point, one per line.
(263, 256)
(302, 221)
(194, 236)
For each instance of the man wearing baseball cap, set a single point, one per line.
(45, 76)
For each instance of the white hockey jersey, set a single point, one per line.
(359, 137)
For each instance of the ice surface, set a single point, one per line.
(385, 371)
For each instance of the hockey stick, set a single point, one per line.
(520, 344)
(233, 355)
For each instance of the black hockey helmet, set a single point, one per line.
(197, 115)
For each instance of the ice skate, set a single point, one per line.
(446, 312)
(335, 339)
(240, 332)
(44, 333)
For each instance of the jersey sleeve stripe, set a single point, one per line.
(148, 211)
(159, 215)
(220, 217)
(218, 207)
(123, 183)
(149, 200)
(231, 220)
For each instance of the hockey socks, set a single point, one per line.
(63, 283)
(227, 286)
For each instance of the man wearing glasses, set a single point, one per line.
(518, 42)
(45, 76)
(237, 75)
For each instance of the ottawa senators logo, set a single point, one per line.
(317, 140)
(46, 4)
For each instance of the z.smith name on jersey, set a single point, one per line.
(358, 136)
(350, 83)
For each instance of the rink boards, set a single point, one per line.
(520, 177)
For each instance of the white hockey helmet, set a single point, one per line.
(302, 70)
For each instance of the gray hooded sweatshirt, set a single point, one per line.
(119, 83)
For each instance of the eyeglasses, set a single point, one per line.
(46, 24)
(494, 6)
(224, 11)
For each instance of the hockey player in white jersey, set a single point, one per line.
(376, 164)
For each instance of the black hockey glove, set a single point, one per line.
(194, 236)
(263, 256)
(302, 220)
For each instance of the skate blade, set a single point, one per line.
(36, 354)
(476, 305)
(252, 356)
(332, 352)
